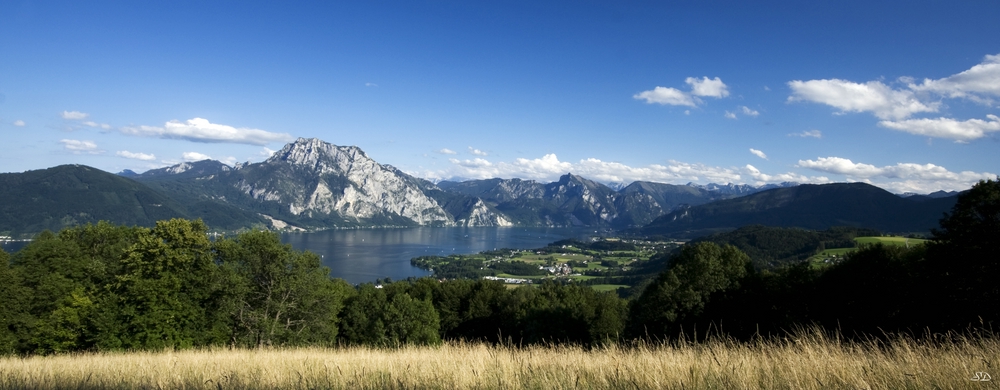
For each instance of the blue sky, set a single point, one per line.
(904, 95)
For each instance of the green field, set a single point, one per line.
(586, 263)
(608, 287)
(831, 256)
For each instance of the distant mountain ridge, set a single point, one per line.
(808, 206)
(310, 184)
(52, 198)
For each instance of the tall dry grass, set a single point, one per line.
(805, 361)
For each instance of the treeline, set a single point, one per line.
(104, 287)
(948, 284)
(774, 247)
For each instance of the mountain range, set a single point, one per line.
(808, 206)
(310, 184)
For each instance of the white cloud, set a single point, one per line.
(135, 156)
(708, 87)
(74, 115)
(549, 168)
(77, 146)
(902, 177)
(758, 153)
(19, 123)
(763, 178)
(982, 79)
(266, 152)
(742, 109)
(808, 133)
(474, 163)
(477, 151)
(873, 96)
(371, 85)
(960, 131)
(195, 156)
(675, 97)
(446, 151)
(666, 96)
(201, 130)
(104, 126)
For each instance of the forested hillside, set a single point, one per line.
(68, 195)
(772, 247)
(107, 287)
(808, 206)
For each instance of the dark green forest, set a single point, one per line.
(104, 287)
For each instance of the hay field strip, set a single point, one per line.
(812, 361)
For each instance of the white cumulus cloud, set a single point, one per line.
(763, 178)
(104, 126)
(195, 156)
(758, 153)
(19, 123)
(78, 146)
(977, 83)
(902, 177)
(730, 115)
(201, 130)
(707, 87)
(960, 131)
(74, 115)
(476, 151)
(873, 96)
(549, 168)
(666, 96)
(446, 151)
(135, 156)
(749, 112)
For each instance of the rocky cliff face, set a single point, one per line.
(314, 177)
(316, 180)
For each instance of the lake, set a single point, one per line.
(363, 255)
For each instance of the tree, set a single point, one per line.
(681, 293)
(275, 295)
(13, 302)
(54, 293)
(965, 259)
(165, 287)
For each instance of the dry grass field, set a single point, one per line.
(807, 361)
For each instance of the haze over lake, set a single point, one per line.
(364, 255)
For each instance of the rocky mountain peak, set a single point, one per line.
(318, 155)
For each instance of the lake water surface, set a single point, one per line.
(363, 255)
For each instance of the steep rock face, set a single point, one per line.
(588, 203)
(311, 176)
(479, 214)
